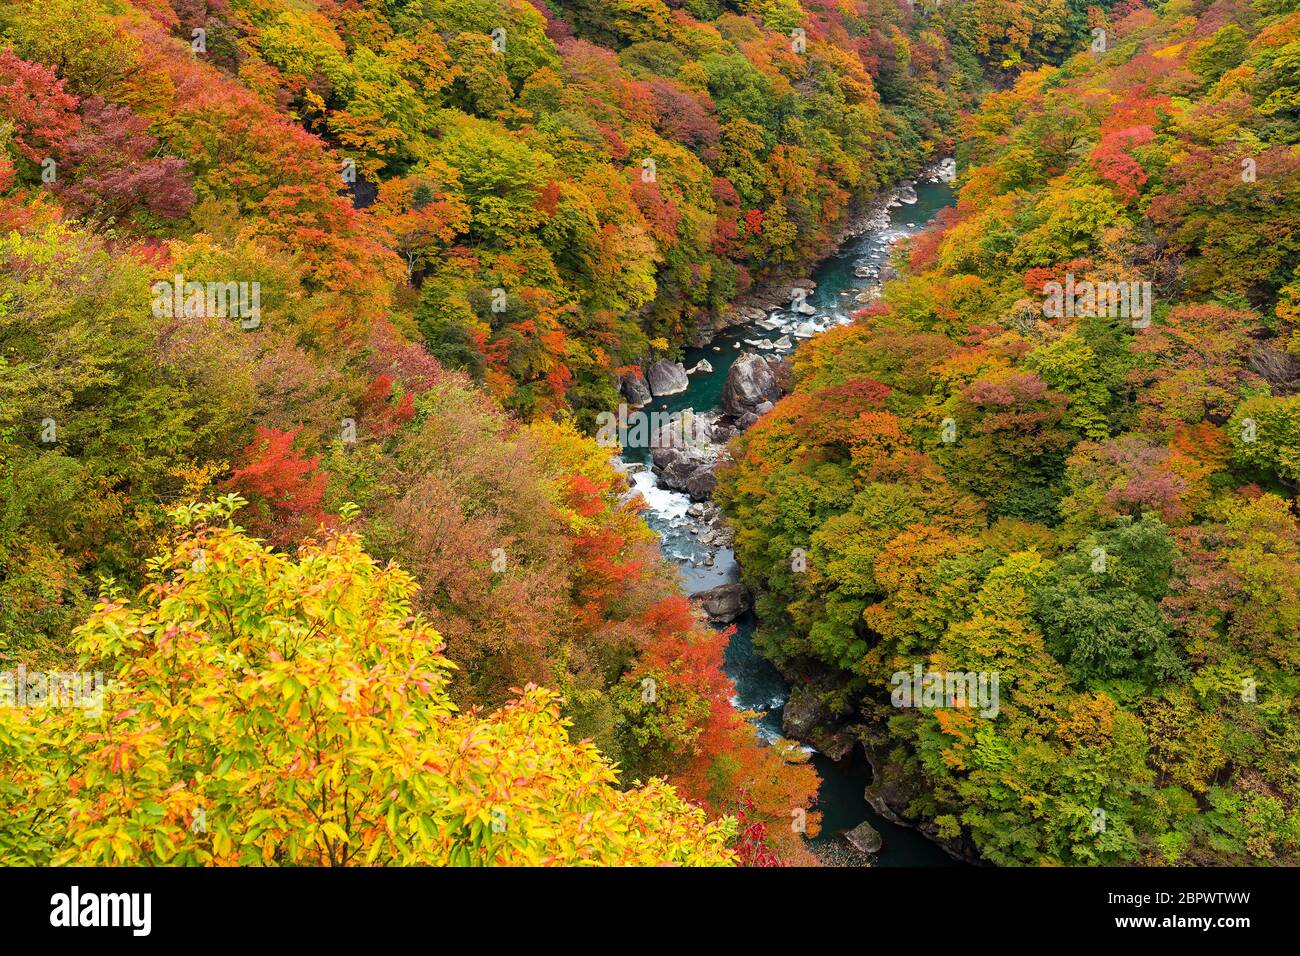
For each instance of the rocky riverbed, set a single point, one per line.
(734, 373)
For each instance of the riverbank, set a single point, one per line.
(694, 537)
(775, 293)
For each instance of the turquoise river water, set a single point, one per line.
(758, 685)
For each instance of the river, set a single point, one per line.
(758, 685)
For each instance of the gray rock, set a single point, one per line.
(895, 784)
(787, 291)
(742, 315)
(701, 483)
(662, 458)
(956, 847)
(724, 603)
(1280, 369)
(834, 744)
(750, 382)
(686, 467)
(687, 431)
(865, 838)
(699, 336)
(674, 468)
(666, 378)
(803, 712)
(723, 433)
(634, 389)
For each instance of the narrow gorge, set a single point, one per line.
(721, 387)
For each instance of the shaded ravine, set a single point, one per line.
(759, 687)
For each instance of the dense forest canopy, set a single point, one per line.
(332, 291)
(1098, 504)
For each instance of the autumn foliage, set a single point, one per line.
(1098, 506)
(285, 487)
(312, 727)
(459, 247)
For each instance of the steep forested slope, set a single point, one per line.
(1062, 450)
(267, 710)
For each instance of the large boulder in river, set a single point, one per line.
(724, 603)
(835, 744)
(701, 483)
(750, 382)
(681, 471)
(635, 389)
(667, 378)
(683, 431)
(674, 467)
(684, 453)
(803, 712)
(865, 838)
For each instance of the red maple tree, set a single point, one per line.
(284, 487)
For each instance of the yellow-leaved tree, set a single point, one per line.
(270, 709)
